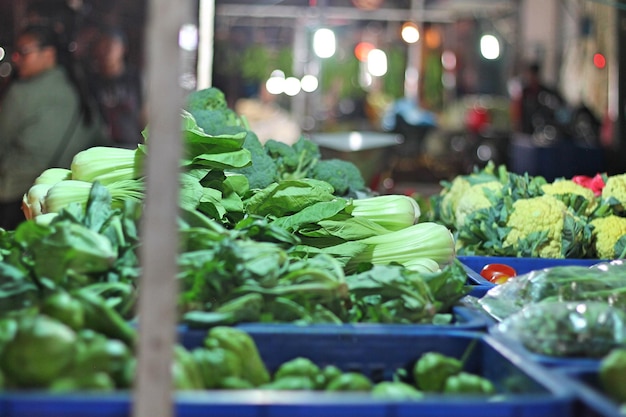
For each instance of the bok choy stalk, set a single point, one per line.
(106, 165)
(393, 211)
(53, 175)
(67, 192)
(33, 199)
(409, 247)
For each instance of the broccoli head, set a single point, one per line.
(211, 112)
(206, 99)
(217, 122)
(293, 162)
(262, 172)
(343, 175)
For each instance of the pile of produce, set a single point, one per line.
(494, 212)
(268, 233)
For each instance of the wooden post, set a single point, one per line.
(153, 391)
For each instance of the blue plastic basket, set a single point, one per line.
(586, 386)
(474, 264)
(463, 318)
(525, 389)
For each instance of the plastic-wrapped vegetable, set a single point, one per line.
(604, 282)
(566, 329)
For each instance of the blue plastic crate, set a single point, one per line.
(594, 402)
(474, 264)
(525, 389)
(463, 318)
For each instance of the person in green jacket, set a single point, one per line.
(43, 120)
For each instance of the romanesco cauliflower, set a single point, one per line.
(544, 214)
(568, 190)
(474, 198)
(606, 232)
(614, 191)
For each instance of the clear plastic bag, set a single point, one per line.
(565, 329)
(604, 282)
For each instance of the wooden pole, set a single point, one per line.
(153, 390)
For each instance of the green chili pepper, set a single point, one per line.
(396, 390)
(432, 369)
(466, 383)
(350, 381)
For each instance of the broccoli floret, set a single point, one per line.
(263, 170)
(217, 122)
(293, 162)
(207, 99)
(282, 153)
(211, 111)
(343, 175)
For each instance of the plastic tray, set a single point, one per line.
(475, 264)
(586, 386)
(525, 388)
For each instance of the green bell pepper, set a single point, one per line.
(466, 383)
(612, 374)
(291, 382)
(432, 370)
(41, 351)
(350, 381)
(216, 364)
(301, 367)
(396, 390)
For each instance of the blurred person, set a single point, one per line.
(117, 88)
(43, 120)
(536, 104)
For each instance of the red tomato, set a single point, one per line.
(497, 273)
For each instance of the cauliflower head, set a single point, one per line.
(474, 198)
(606, 232)
(567, 188)
(538, 214)
(448, 199)
(614, 191)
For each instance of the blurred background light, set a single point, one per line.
(292, 86)
(377, 63)
(324, 43)
(410, 33)
(489, 47)
(309, 83)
